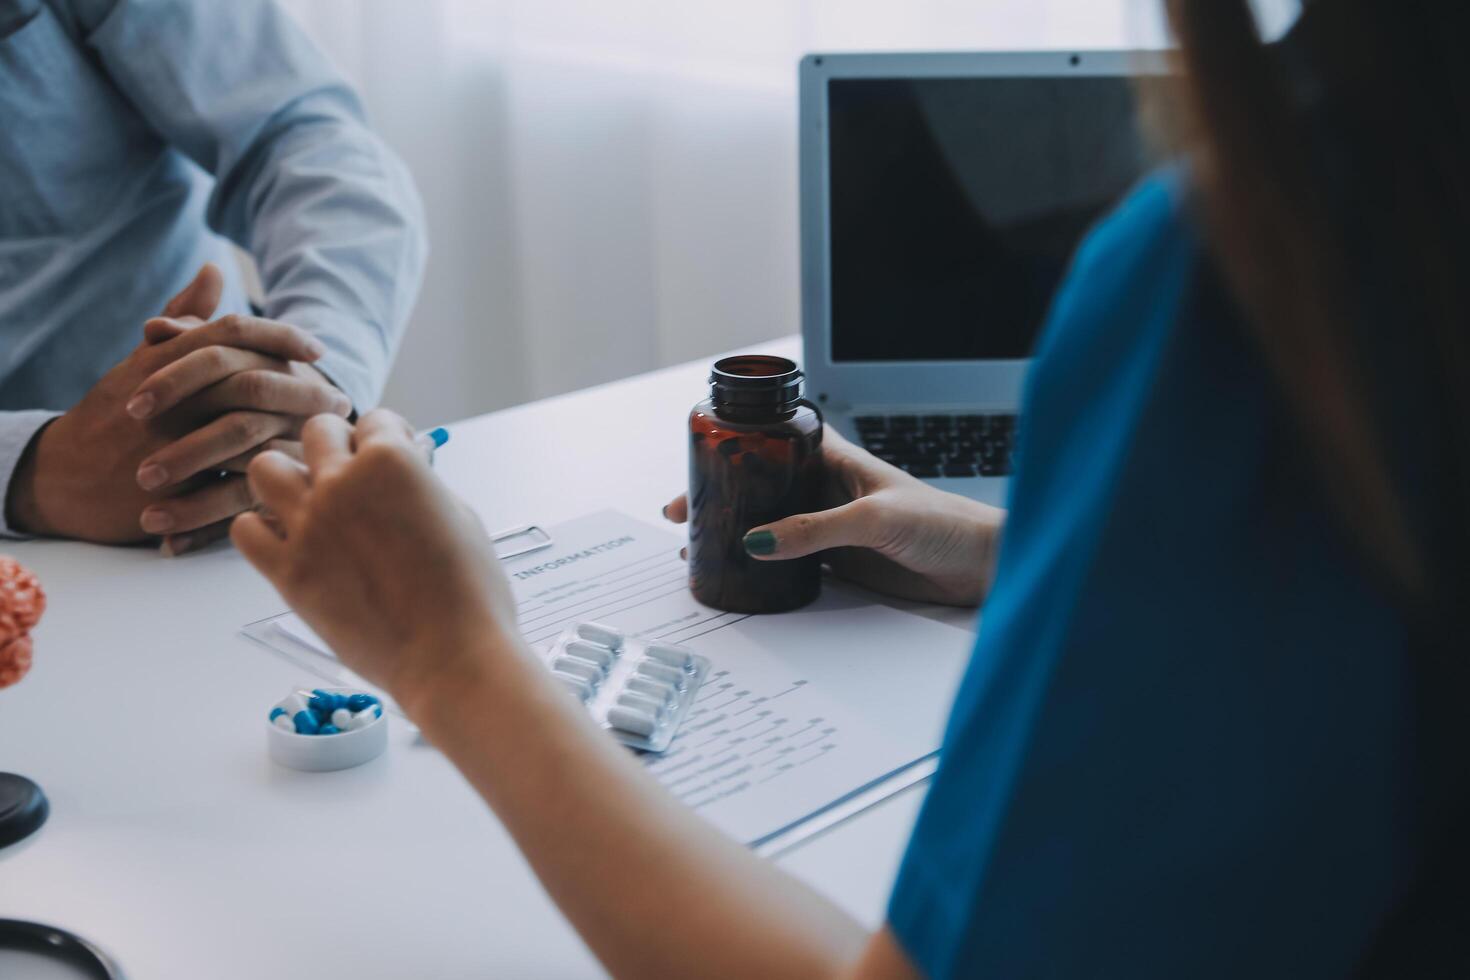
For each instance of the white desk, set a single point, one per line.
(177, 845)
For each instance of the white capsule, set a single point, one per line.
(285, 724)
(578, 668)
(666, 653)
(362, 719)
(632, 720)
(342, 718)
(645, 704)
(580, 687)
(296, 703)
(594, 653)
(648, 687)
(660, 672)
(597, 633)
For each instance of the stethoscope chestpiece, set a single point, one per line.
(23, 808)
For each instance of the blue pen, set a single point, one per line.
(432, 440)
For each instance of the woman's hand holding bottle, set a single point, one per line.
(886, 530)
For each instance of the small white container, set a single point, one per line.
(325, 753)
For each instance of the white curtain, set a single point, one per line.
(611, 184)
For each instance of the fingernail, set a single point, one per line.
(760, 543)
(156, 521)
(173, 546)
(141, 406)
(315, 347)
(152, 476)
(342, 406)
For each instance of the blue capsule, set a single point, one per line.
(324, 712)
(360, 702)
(326, 702)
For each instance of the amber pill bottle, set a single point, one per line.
(755, 456)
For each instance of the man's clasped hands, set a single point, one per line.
(158, 448)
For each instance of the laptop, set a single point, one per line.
(942, 198)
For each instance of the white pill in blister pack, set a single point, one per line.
(577, 668)
(669, 655)
(652, 688)
(639, 691)
(642, 703)
(664, 673)
(594, 653)
(579, 686)
(597, 633)
(632, 720)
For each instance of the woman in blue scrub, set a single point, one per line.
(1214, 725)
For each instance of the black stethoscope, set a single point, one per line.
(58, 945)
(23, 809)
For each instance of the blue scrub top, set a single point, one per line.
(1182, 747)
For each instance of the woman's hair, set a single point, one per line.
(1274, 201)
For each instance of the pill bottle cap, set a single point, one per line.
(755, 381)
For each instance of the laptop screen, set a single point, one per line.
(956, 205)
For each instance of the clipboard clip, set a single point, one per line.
(517, 541)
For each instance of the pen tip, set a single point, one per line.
(440, 437)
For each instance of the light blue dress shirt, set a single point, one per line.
(137, 139)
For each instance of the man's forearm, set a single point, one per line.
(326, 209)
(335, 225)
(651, 887)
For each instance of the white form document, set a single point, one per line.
(802, 711)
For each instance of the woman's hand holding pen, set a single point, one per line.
(383, 561)
(885, 530)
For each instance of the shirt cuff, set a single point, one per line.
(17, 429)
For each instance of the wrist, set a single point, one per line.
(468, 677)
(989, 523)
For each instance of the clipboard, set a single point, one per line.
(517, 542)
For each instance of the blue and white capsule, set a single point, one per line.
(364, 718)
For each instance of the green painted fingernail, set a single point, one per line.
(760, 543)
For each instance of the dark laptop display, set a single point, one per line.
(957, 203)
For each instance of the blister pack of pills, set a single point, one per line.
(639, 690)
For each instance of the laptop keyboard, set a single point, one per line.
(941, 445)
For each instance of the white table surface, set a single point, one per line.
(179, 847)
